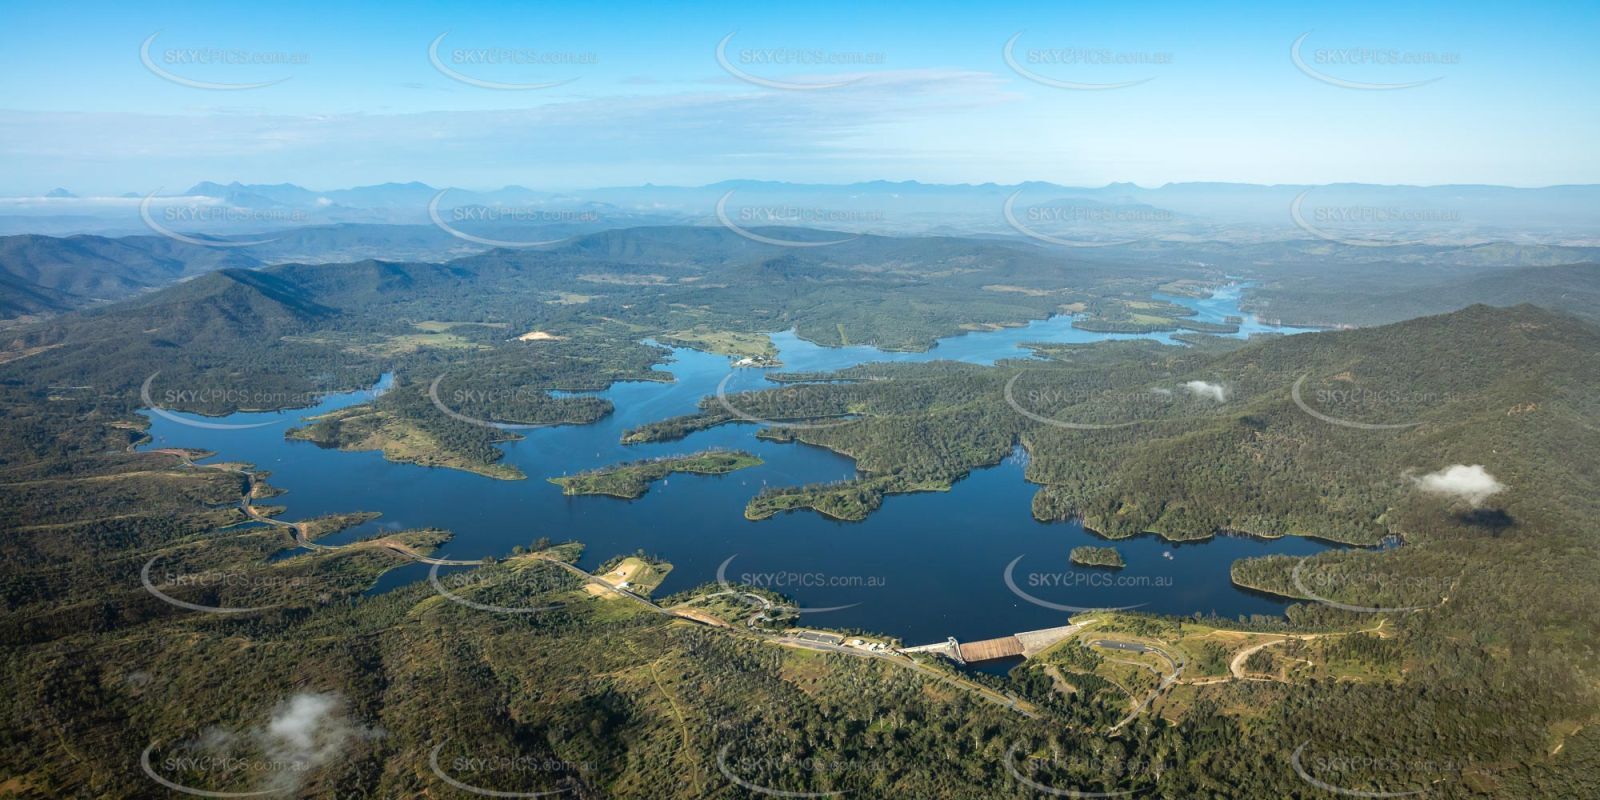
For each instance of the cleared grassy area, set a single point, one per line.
(1208, 652)
(1188, 288)
(1133, 316)
(333, 523)
(1025, 290)
(413, 342)
(636, 575)
(439, 326)
(729, 343)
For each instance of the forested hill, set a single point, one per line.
(1384, 293)
(255, 299)
(233, 329)
(21, 297)
(1135, 437)
(1492, 669)
(1471, 436)
(279, 324)
(61, 273)
(1505, 388)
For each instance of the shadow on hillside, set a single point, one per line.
(1494, 520)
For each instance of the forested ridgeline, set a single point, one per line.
(1219, 444)
(1136, 437)
(1563, 279)
(286, 336)
(1477, 679)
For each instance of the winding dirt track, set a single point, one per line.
(1236, 667)
(1174, 660)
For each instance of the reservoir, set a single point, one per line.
(970, 563)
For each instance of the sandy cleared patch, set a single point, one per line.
(539, 336)
(699, 616)
(624, 572)
(18, 355)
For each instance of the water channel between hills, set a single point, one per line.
(922, 567)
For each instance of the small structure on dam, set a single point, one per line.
(1026, 644)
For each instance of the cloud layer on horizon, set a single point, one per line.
(559, 142)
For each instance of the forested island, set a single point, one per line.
(1091, 556)
(843, 500)
(631, 480)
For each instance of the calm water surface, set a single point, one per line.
(922, 567)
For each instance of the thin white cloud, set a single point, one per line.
(307, 731)
(1207, 390)
(577, 136)
(1471, 483)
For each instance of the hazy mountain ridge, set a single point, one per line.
(1466, 213)
(1336, 299)
(77, 271)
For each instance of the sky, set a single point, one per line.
(621, 94)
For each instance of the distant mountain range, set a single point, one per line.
(1343, 212)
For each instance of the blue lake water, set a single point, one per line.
(922, 567)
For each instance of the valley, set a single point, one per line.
(839, 400)
(1276, 561)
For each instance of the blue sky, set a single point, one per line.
(927, 94)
